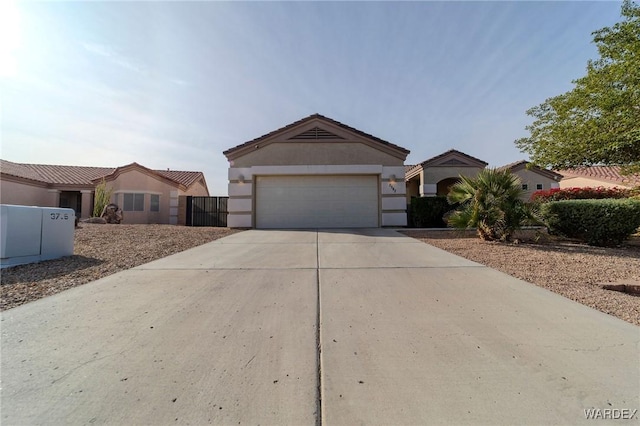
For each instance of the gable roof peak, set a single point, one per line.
(237, 150)
(454, 152)
(524, 164)
(513, 165)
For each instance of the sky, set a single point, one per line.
(173, 84)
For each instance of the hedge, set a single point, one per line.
(605, 222)
(427, 212)
(587, 193)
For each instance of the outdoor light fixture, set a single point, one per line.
(241, 178)
(392, 178)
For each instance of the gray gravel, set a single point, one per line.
(100, 250)
(573, 270)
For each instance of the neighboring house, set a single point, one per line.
(533, 178)
(316, 173)
(436, 175)
(145, 195)
(594, 176)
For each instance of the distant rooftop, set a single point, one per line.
(609, 174)
(81, 175)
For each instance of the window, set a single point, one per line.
(538, 186)
(525, 186)
(133, 203)
(155, 203)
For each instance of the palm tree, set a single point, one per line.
(489, 202)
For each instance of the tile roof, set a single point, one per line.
(18, 170)
(513, 165)
(183, 177)
(604, 173)
(80, 175)
(452, 151)
(68, 175)
(412, 171)
(533, 168)
(310, 118)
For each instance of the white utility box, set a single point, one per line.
(32, 234)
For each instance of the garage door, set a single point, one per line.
(317, 201)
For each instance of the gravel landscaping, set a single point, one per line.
(567, 268)
(573, 270)
(99, 251)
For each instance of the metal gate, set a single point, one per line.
(207, 211)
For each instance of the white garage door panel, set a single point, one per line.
(316, 201)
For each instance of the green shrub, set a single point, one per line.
(605, 222)
(489, 202)
(101, 198)
(427, 212)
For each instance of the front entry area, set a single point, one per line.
(319, 201)
(72, 200)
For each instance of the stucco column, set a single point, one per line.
(428, 190)
(174, 203)
(54, 198)
(85, 209)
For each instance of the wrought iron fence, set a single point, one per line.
(207, 211)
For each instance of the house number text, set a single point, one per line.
(59, 216)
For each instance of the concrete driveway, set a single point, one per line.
(303, 328)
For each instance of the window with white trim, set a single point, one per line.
(525, 186)
(133, 203)
(154, 203)
(538, 186)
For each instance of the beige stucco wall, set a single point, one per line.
(347, 154)
(433, 175)
(532, 179)
(24, 194)
(316, 153)
(27, 194)
(130, 181)
(134, 181)
(581, 182)
(196, 190)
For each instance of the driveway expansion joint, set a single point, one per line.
(319, 408)
(373, 268)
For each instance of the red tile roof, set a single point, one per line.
(80, 175)
(604, 173)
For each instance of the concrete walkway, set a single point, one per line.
(304, 328)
